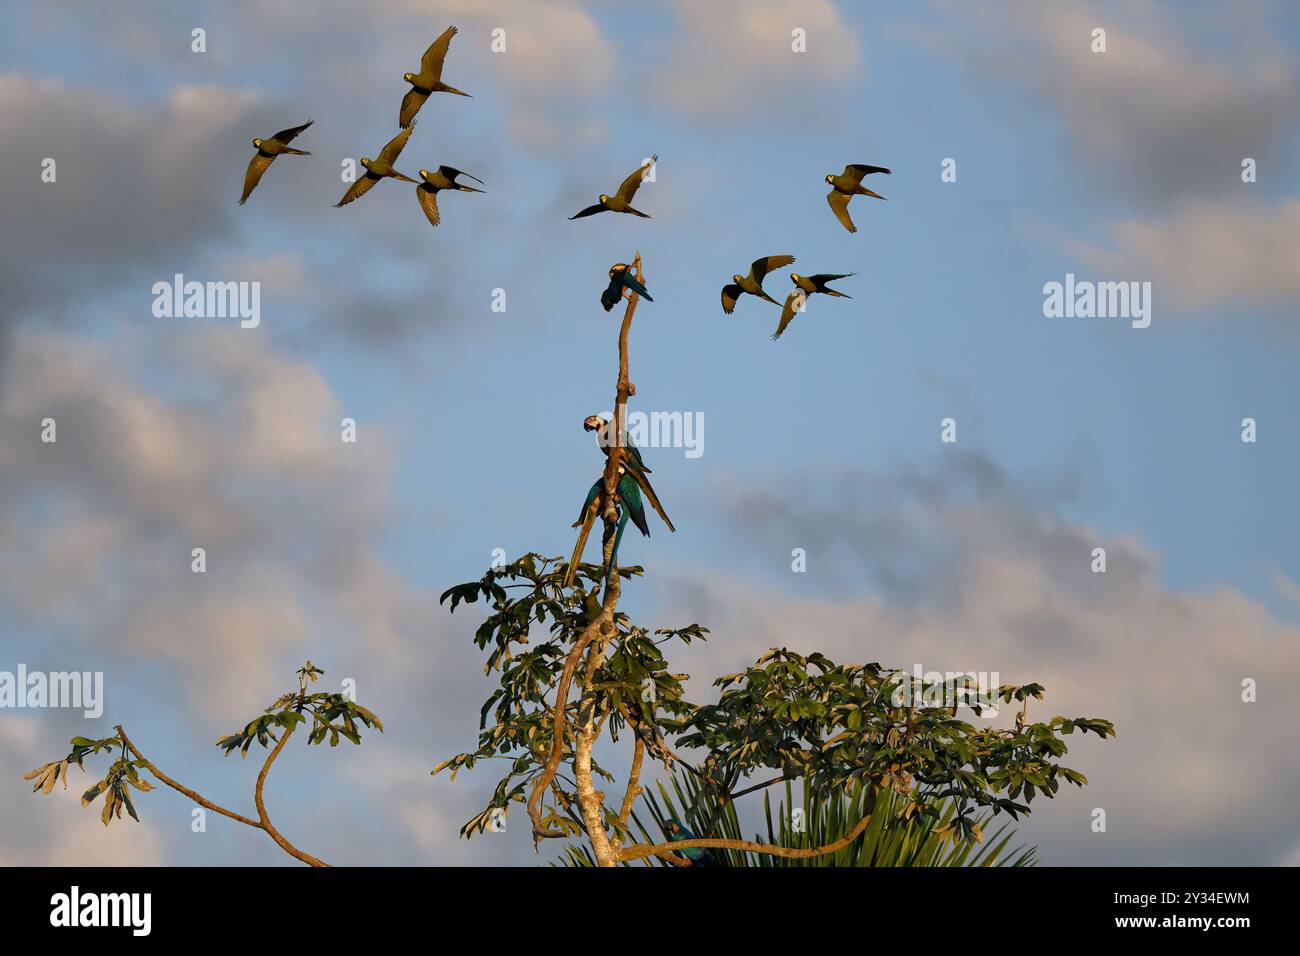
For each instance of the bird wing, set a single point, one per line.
(613, 292)
(589, 211)
(358, 189)
(429, 203)
(394, 148)
(287, 135)
(857, 170)
(633, 182)
(451, 172)
(592, 494)
(819, 283)
(636, 286)
(792, 303)
(631, 495)
(762, 267)
(259, 164)
(411, 104)
(730, 293)
(644, 482)
(431, 62)
(840, 206)
(633, 455)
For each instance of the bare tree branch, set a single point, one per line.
(262, 823)
(790, 853)
(179, 788)
(633, 783)
(261, 806)
(592, 631)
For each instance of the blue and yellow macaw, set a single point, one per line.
(634, 464)
(620, 278)
(594, 423)
(698, 855)
(627, 500)
(628, 503)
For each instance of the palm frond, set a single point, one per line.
(895, 837)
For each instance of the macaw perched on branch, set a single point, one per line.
(634, 464)
(627, 499)
(698, 855)
(620, 278)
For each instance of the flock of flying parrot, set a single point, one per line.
(632, 478)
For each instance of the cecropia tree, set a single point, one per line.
(572, 670)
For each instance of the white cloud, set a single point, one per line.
(102, 522)
(1195, 774)
(1158, 115)
(1208, 254)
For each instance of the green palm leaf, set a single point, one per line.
(922, 839)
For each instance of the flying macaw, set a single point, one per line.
(635, 464)
(620, 278)
(698, 855)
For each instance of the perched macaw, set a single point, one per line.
(621, 277)
(594, 423)
(632, 459)
(698, 855)
(628, 493)
(627, 499)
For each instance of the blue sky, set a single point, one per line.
(1123, 165)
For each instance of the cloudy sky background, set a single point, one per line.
(1072, 434)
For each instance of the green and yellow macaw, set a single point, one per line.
(752, 283)
(805, 286)
(267, 150)
(621, 201)
(429, 80)
(847, 185)
(381, 168)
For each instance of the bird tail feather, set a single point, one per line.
(578, 548)
(644, 482)
(618, 539)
